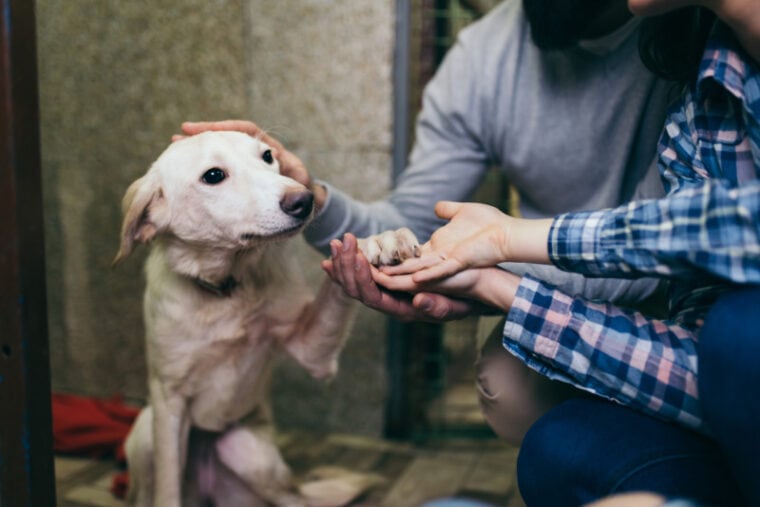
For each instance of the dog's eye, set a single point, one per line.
(213, 176)
(267, 156)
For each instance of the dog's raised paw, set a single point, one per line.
(390, 247)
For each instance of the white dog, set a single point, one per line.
(222, 298)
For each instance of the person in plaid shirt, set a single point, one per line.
(704, 236)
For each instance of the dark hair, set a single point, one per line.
(671, 44)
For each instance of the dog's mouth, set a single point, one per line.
(284, 233)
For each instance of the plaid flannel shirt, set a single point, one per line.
(704, 235)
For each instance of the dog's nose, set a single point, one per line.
(297, 203)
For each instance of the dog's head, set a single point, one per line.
(216, 189)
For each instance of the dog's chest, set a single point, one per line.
(228, 382)
(218, 357)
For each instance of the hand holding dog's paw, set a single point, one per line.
(390, 247)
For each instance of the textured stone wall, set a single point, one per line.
(116, 80)
(321, 82)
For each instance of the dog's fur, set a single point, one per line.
(222, 298)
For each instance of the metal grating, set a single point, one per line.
(431, 366)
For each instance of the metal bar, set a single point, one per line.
(407, 343)
(401, 88)
(396, 405)
(26, 458)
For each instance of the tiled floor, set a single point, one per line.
(482, 469)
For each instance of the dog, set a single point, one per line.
(222, 300)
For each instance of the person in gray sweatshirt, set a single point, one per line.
(552, 93)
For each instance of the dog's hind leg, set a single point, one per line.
(139, 451)
(250, 454)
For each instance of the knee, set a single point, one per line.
(586, 449)
(547, 467)
(507, 422)
(512, 397)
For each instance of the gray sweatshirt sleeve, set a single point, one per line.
(448, 162)
(623, 292)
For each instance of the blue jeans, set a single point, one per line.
(729, 383)
(588, 448)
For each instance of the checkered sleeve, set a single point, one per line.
(647, 364)
(710, 227)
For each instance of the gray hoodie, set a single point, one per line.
(571, 130)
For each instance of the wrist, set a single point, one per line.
(497, 288)
(527, 240)
(320, 196)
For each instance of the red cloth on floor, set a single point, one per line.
(93, 427)
(89, 426)
(120, 485)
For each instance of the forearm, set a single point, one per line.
(340, 214)
(496, 288)
(320, 195)
(527, 240)
(712, 228)
(410, 204)
(645, 363)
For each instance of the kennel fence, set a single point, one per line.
(431, 392)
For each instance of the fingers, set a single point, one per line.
(191, 128)
(426, 268)
(412, 264)
(438, 307)
(440, 278)
(444, 269)
(403, 283)
(345, 259)
(447, 209)
(350, 269)
(343, 266)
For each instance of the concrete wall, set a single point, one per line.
(116, 80)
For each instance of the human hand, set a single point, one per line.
(473, 237)
(493, 288)
(477, 235)
(349, 268)
(290, 165)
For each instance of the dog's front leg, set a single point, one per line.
(321, 331)
(171, 428)
(324, 323)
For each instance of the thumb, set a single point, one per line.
(447, 209)
(441, 308)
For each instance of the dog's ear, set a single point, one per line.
(140, 204)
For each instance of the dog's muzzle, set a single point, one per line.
(297, 203)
